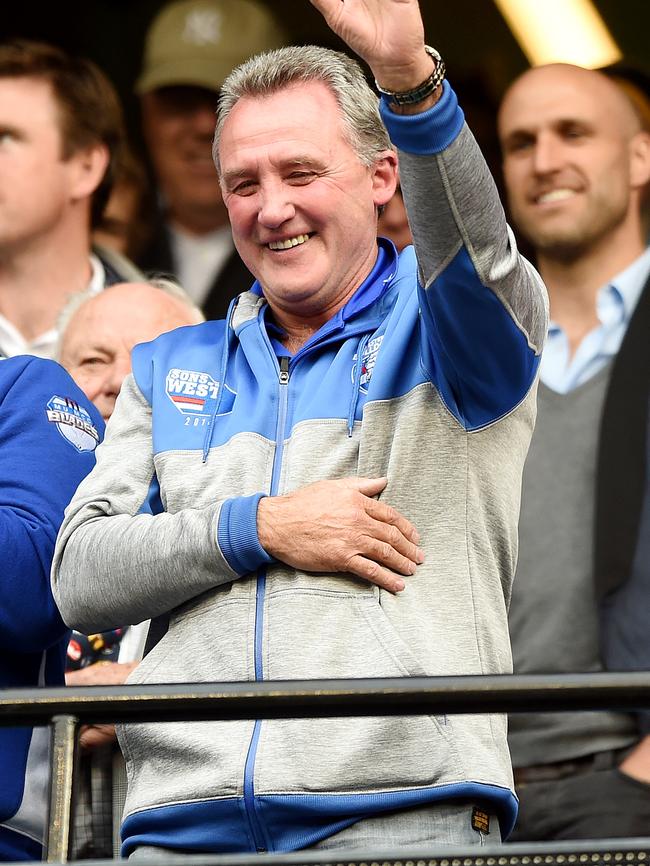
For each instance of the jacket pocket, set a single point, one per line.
(319, 634)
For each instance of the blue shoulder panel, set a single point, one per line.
(474, 352)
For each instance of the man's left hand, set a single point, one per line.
(100, 674)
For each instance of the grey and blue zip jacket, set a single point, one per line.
(425, 377)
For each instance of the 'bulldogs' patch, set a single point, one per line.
(195, 393)
(73, 422)
(368, 360)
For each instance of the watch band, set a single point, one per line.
(422, 91)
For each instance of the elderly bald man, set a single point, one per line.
(98, 332)
(576, 161)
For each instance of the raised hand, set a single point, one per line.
(387, 34)
(337, 526)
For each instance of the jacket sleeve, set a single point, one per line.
(40, 469)
(484, 308)
(116, 563)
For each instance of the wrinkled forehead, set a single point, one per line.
(300, 114)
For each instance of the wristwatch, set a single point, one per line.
(419, 93)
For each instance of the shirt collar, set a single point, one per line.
(630, 282)
(98, 275)
(623, 291)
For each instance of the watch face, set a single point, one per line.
(432, 52)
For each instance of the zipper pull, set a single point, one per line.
(284, 369)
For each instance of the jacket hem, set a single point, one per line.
(292, 821)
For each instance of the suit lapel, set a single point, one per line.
(622, 454)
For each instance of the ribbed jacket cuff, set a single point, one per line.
(237, 534)
(429, 132)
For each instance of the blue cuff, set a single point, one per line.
(237, 534)
(430, 131)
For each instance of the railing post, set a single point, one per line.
(62, 750)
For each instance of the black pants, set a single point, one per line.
(602, 804)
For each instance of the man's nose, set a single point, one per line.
(115, 374)
(547, 154)
(275, 206)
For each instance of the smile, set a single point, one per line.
(288, 243)
(555, 195)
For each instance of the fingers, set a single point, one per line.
(367, 486)
(373, 572)
(387, 544)
(405, 555)
(386, 556)
(389, 515)
(92, 736)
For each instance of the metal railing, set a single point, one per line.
(66, 708)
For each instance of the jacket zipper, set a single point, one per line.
(249, 769)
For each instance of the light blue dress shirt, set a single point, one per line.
(615, 305)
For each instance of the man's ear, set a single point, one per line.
(87, 169)
(384, 177)
(640, 160)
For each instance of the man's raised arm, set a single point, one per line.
(484, 307)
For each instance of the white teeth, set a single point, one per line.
(555, 195)
(290, 242)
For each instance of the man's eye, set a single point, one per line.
(246, 187)
(517, 145)
(91, 361)
(300, 177)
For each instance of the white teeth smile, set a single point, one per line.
(290, 242)
(555, 195)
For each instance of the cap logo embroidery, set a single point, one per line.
(203, 27)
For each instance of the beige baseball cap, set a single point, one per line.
(200, 42)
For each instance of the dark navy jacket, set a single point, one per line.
(622, 531)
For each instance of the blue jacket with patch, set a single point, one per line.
(48, 434)
(426, 377)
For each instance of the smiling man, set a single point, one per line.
(351, 394)
(576, 161)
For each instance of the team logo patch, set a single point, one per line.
(192, 392)
(368, 360)
(73, 423)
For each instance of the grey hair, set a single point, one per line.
(76, 302)
(275, 70)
